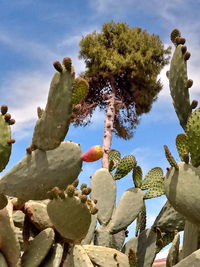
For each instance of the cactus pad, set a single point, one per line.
(178, 83)
(80, 90)
(182, 189)
(114, 157)
(5, 137)
(182, 146)
(104, 191)
(102, 256)
(193, 137)
(129, 206)
(125, 166)
(38, 248)
(170, 158)
(70, 217)
(137, 176)
(39, 172)
(52, 127)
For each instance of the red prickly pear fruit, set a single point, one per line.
(93, 154)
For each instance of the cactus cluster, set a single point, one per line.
(46, 220)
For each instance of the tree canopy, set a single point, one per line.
(125, 61)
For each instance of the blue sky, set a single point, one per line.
(35, 33)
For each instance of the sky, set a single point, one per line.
(35, 33)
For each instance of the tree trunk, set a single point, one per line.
(108, 125)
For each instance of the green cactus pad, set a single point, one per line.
(88, 239)
(37, 214)
(52, 127)
(104, 238)
(169, 219)
(80, 90)
(70, 217)
(38, 248)
(170, 158)
(131, 243)
(5, 148)
(193, 137)
(156, 190)
(9, 244)
(3, 262)
(146, 250)
(36, 174)
(54, 257)
(104, 191)
(151, 178)
(173, 255)
(182, 189)
(103, 256)
(114, 158)
(141, 220)
(78, 257)
(129, 206)
(182, 146)
(137, 176)
(125, 166)
(178, 86)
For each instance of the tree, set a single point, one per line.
(122, 65)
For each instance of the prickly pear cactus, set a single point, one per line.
(125, 166)
(75, 226)
(39, 172)
(52, 126)
(178, 80)
(193, 137)
(80, 90)
(5, 137)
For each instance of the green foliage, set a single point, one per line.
(132, 58)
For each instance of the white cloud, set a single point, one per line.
(26, 47)
(26, 91)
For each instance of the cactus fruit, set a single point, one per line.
(41, 171)
(193, 137)
(126, 164)
(70, 216)
(5, 137)
(52, 127)
(80, 90)
(93, 154)
(182, 190)
(174, 34)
